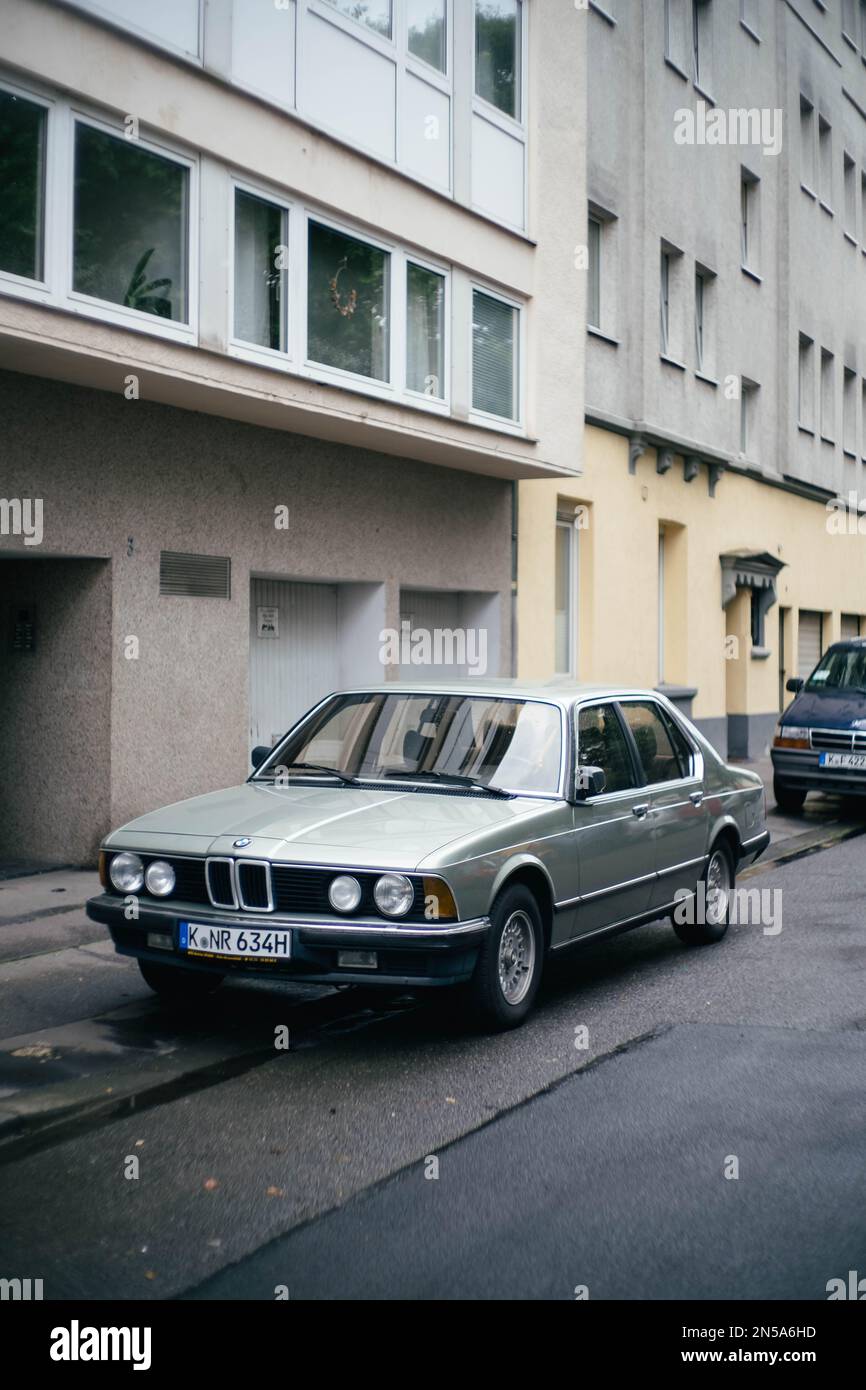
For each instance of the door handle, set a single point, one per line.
(640, 811)
(696, 798)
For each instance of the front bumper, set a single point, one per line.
(800, 771)
(411, 955)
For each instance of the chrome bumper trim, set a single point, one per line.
(362, 926)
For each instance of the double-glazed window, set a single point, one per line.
(130, 225)
(565, 609)
(376, 14)
(261, 265)
(498, 54)
(348, 304)
(495, 354)
(426, 25)
(427, 32)
(425, 331)
(22, 186)
(119, 202)
(357, 293)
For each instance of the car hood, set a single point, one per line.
(327, 825)
(828, 709)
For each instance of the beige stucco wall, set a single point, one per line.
(109, 470)
(618, 632)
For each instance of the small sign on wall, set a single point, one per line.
(268, 622)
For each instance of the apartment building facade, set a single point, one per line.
(281, 329)
(713, 546)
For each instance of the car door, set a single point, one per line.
(672, 772)
(613, 838)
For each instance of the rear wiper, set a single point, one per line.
(316, 767)
(449, 778)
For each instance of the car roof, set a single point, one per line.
(559, 692)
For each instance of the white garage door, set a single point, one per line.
(810, 642)
(294, 653)
(850, 626)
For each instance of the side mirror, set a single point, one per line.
(795, 685)
(258, 755)
(590, 781)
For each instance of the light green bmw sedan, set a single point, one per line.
(420, 836)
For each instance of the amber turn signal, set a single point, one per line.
(439, 901)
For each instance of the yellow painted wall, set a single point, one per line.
(618, 625)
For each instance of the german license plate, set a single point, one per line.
(855, 761)
(244, 943)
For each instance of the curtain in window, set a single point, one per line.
(425, 345)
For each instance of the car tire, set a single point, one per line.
(172, 982)
(508, 970)
(788, 799)
(719, 873)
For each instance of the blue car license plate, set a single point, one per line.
(243, 943)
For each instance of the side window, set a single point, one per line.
(658, 756)
(682, 747)
(601, 743)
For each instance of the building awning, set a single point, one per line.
(749, 569)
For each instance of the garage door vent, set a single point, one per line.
(194, 576)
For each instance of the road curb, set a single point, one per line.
(799, 846)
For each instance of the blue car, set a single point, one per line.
(820, 743)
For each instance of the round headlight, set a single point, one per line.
(126, 872)
(344, 893)
(159, 878)
(394, 894)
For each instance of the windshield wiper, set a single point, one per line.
(346, 777)
(453, 779)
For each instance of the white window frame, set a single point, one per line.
(295, 359)
(102, 12)
(396, 50)
(441, 404)
(327, 9)
(501, 422)
(21, 285)
(572, 629)
(514, 125)
(239, 347)
(56, 288)
(103, 309)
(420, 65)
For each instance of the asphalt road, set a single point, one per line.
(558, 1166)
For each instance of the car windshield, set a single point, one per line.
(512, 744)
(842, 669)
